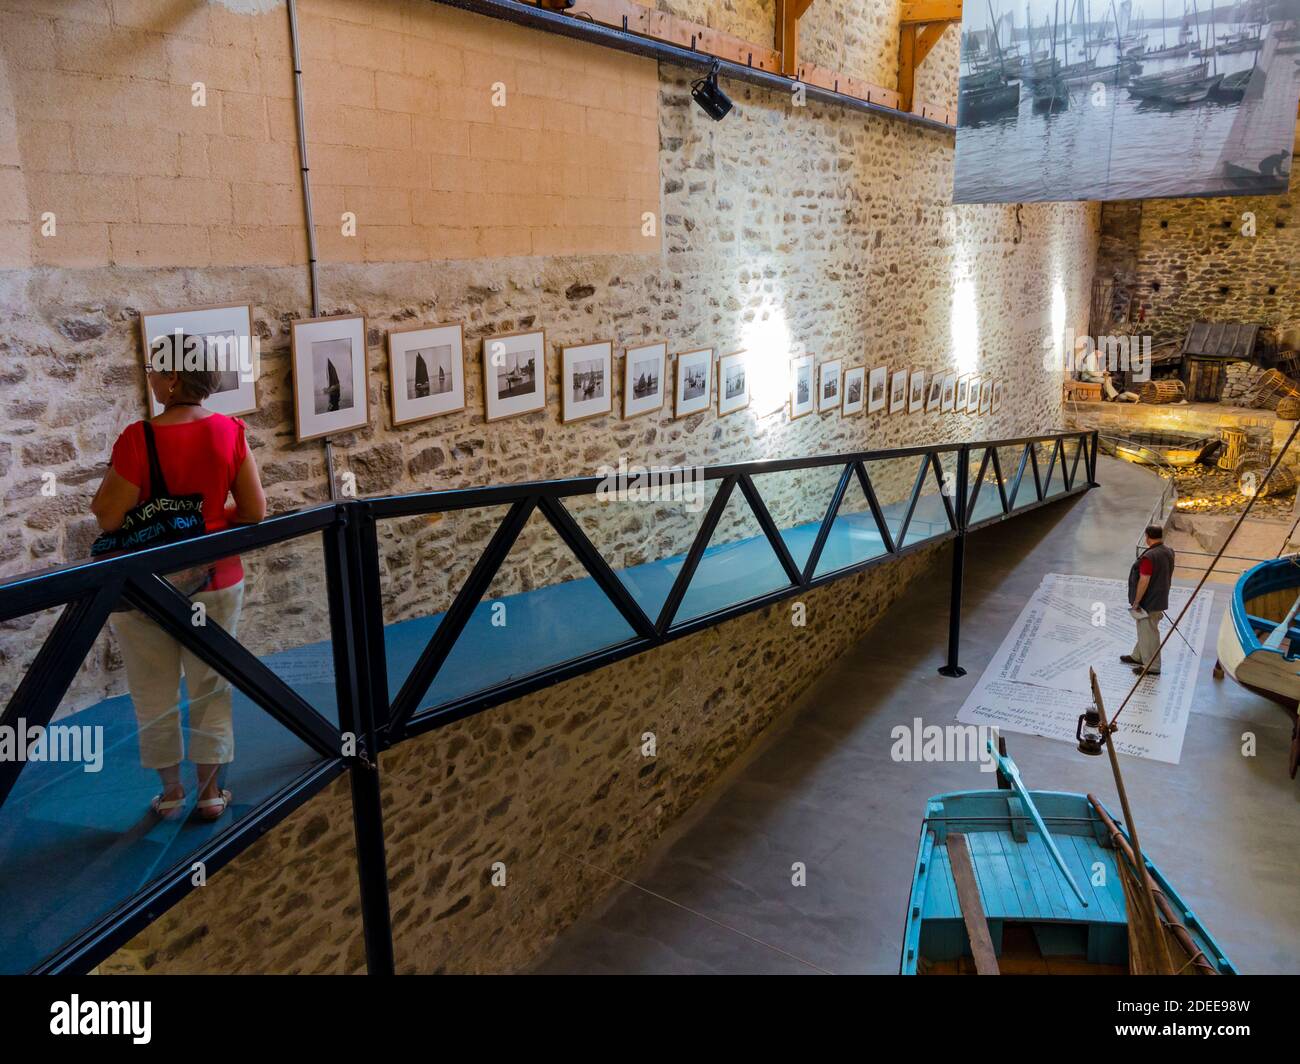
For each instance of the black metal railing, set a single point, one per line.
(371, 719)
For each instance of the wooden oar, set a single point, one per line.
(1012, 776)
(1274, 641)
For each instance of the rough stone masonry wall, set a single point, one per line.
(1189, 260)
(782, 231)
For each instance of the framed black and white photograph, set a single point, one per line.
(586, 380)
(997, 396)
(973, 395)
(877, 389)
(949, 401)
(802, 400)
(828, 386)
(644, 382)
(694, 382)
(855, 390)
(916, 391)
(898, 391)
(330, 392)
(986, 396)
(733, 382)
(226, 334)
(959, 404)
(934, 397)
(514, 374)
(426, 371)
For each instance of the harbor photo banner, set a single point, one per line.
(1037, 683)
(1118, 100)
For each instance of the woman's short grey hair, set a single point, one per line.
(186, 356)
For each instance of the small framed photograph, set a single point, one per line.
(330, 392)
(694, 382)
(586, 385)
(949, 400)
(855, 386)
(733, 383)
(226, 332)
(986, 396)
(828, 389)
(802, 400)
(960, 401)
(916, 391)
(898, 391)
(997, 396)
(973, 395)
(426, 371)
(877, 386)
(514, 374)
(644, 388)
(934, 398)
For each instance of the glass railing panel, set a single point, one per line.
(797, 500)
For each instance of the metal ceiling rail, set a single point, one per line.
(371, 721)
(540, 18)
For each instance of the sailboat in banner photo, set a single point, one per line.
(991, 92)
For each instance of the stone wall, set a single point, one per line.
(781, 231)
(1188, 260)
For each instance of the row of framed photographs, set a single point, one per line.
(427, 375)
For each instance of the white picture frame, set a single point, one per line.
(898, 391)
(514, 374)
(986, 396)
(227, 331)
(733, 382)
(973, 394)
(934, 394)
(586, 380)
(693, 391)
(855, 390)
(949, 401)
(878, 389)
(644, 383)
(803, 398)
(330, 375)
(828, 386)
(426, 371)
(916, 391)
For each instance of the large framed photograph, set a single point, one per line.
(916, 391)
(934, 399)
(949, 401)
(733, 382)
(644, 388)
(877, 387)
(426, 371)
(586, 380)
(959, 403)
(828, 390)
(855, 386)
(226, 333)
(898, 391)
(973, 395)
(802, 400)
(330, 392)
(997, 396)
(986, 396)
(694, 382)
(514, 374)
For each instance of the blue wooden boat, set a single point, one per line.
(1259, 637)
(1042, 917)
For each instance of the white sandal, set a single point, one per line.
(213, 808)
(167, 809)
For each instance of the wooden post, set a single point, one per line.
(920, 27)
(788, 14)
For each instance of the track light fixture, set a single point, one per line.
(556, 5)
(712, 100)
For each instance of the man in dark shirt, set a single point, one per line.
(1148, 598)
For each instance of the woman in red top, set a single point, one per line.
(199, 452)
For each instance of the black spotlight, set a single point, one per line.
(712, 100)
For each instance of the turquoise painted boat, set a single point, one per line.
(1037, 924)
(1259, 637)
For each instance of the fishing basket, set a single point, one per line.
(1273, 386)
(1288, 408)
(1252, 470)
(1166, 391)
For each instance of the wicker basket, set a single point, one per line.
(1168, 391)
(1273, 386)
(1288, 408)
(1251, 472)
(1236, 445)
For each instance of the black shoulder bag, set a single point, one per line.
(162, 518)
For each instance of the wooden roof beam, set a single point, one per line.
(788, 14)
(920, 27)
(931, 11)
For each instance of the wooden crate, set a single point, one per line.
(1082, 392)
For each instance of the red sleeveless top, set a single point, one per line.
(197, 457)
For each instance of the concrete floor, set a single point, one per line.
(821, 789)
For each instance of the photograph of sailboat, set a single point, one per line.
(331, 368)
(429, 371)
(1112, 99)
